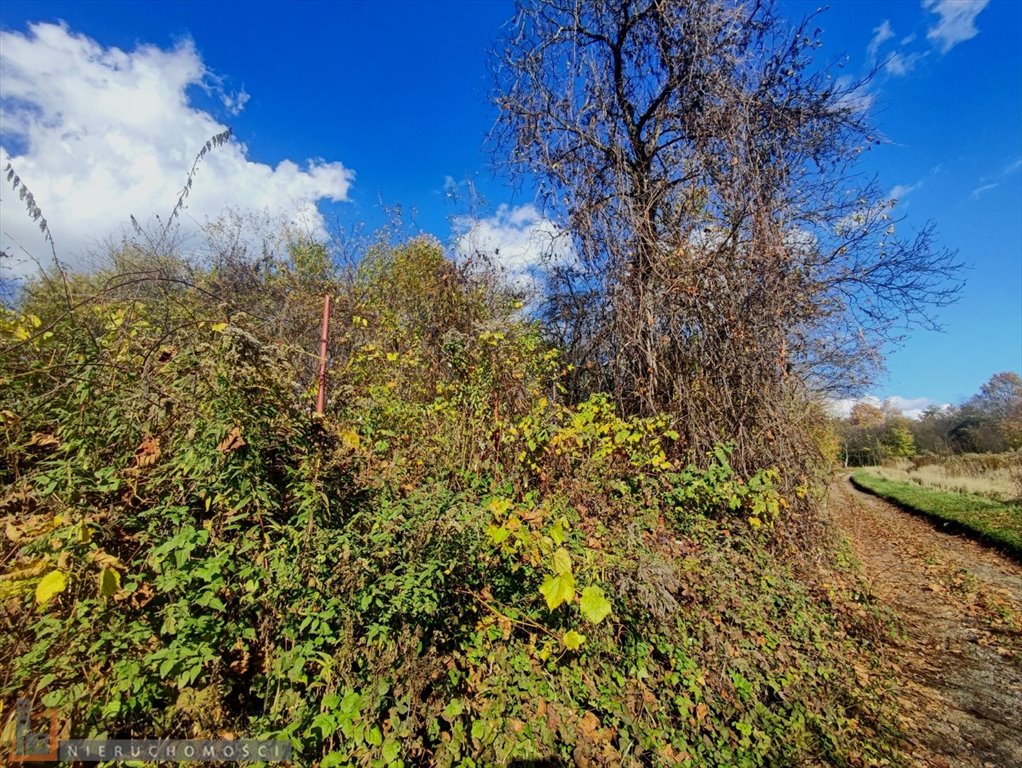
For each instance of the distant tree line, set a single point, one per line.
(988, 422)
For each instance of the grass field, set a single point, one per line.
(985, 518)
(995, 476)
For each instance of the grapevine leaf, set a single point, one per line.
(573, 640)
(558, 589)
(562, 561)
(595, 607)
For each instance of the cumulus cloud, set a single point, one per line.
(99, 134)
(520, 241)
(910, 407)
(956, 22)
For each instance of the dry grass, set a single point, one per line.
(995, 476)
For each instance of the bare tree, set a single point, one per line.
(729, 261)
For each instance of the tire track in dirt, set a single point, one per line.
(958, 651)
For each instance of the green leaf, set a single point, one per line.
(51, 585)
(482, 731)
(562, 561)
(558, 589)
(595, 607)
(374, 737)
(498, 535)
(391, 749)
(452, 710)
(44, 681)
(109, 582)
(557, 533)
(573, 640)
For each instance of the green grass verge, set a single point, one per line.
(983, 518)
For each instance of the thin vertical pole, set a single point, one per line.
(321, 395)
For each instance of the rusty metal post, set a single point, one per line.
(321, 395)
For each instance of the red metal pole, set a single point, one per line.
(321, 395)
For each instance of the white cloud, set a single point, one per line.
(99, 134)
(853, 94)
(910, 407)
(881, 34)
(986, 183)
(520, 241)
(980, 190)
(899, 64)
(901, 191)
(957, 21)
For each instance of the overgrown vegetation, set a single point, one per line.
(990, 520)
(726, 262)
(580, 535)
(454, 566)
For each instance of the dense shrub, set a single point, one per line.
(454, 566)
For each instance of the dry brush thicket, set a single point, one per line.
(729, 264)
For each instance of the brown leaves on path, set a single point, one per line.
(958, 652)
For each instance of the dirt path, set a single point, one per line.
(959, 652)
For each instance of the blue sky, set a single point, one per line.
(342, 108)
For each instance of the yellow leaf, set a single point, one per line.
(350, 439)
(573, 640)
(499, 506)
(392, 356)
(51, 585)
(594, 605)
(561, 561)
(558, 589)
(109, 582)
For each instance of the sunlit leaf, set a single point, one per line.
(51, 585)
(561, 561)
(558, 589)
(573, 640)
(109, 582)
(595, 607)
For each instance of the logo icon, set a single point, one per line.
(31, 746)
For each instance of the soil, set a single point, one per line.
(957, 644)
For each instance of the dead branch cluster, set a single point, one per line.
(727, 260)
